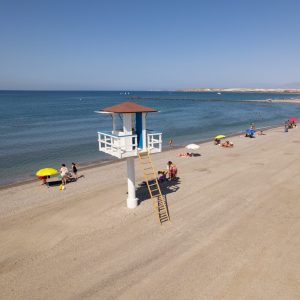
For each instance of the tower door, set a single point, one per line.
(139, 130)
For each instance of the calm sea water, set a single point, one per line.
(45, 129)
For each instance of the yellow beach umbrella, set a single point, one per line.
(46, 172)
(220, 136)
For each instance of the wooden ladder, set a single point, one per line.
(159, 201)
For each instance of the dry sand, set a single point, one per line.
(235, 231)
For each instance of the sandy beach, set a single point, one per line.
(235, 230)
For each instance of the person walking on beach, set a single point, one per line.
(64, 174)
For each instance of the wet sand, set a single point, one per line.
(235, 231)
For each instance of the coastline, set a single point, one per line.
(25, 150)
(291, 100)
(240, 90)
(100, 163)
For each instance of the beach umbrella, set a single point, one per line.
(46, 172)
(192, 147)
(293, 119)
(220, 136)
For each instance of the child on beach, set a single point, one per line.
(161, 176)
(43, 178)
(74, 170)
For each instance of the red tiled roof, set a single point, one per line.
(128, 107)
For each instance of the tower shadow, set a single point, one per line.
(167, 187)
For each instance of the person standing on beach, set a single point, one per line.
(286, 126)
(74, 170)
(170, 142)
(64, 174)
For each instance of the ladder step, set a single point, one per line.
(155, 191)
(163, 217)
(149, 174)
(153, 196)
(161, 207)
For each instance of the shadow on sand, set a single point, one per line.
(167, 187)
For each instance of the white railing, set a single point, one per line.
(122, 145)
(154, 142)
(118, 145)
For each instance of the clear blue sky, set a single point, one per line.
(138, 45)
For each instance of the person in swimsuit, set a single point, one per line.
(171, 170)
(74, 169)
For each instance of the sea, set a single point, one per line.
(47, 128)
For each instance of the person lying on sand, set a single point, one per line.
(185, 154)
(227, 144)
(189, 154)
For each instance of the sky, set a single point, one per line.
(148, 45)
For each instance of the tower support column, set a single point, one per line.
(132, 201)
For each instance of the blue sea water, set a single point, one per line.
(46, 128)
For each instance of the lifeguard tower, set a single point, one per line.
(134, 140)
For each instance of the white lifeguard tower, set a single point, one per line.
(132, 140)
